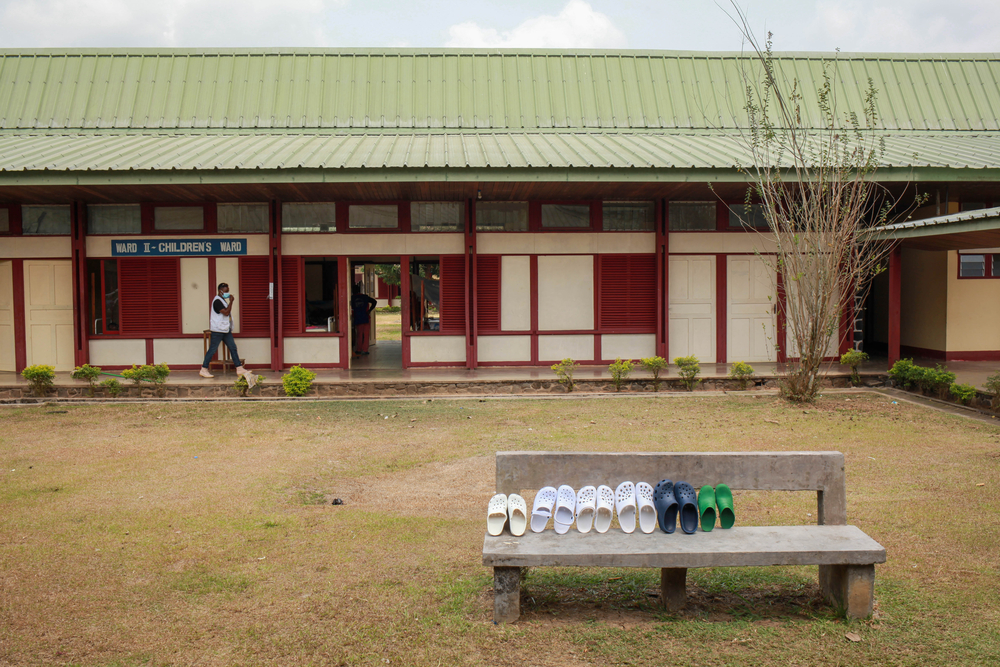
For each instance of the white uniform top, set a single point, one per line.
(217, 321)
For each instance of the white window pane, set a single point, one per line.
(246, 218)
(45, 220)
(502, 216)
(972, 266)
(439, 216)
(628, 217)
(565, 216)
(691, 215)
(309, 217)
(116, 219)
(168, 218)
(380, 216)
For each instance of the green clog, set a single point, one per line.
(706, 507)
(724, 499)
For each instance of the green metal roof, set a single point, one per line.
(364, 90)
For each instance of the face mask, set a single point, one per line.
(225, 295)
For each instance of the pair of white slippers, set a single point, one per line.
(505, 508)
(594, 508)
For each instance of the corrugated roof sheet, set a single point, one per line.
(468, 89)
(619, 150)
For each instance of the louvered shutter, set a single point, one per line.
(628, 293)
(292, 301)
(149, 295)
(487, 293)
(453, 294)
(254, 304)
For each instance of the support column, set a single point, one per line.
(663, 280)
(506, 594)
(471, 297)
(404, 312)
(895, 292)
(721, 309)
(850, 587)
(78, 231)
(274, 279)
(673, 588)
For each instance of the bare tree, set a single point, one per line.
(814, 183)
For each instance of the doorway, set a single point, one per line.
(379, 279)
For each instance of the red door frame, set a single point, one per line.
(721, 309)
(404, 283)
(20, 339)
(895, 292)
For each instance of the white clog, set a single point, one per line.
(625, 506)
(605, 508)
(565, 509)
(517, 512)
(541, 511)
(647, 511)
(586, 508)
(496, 516)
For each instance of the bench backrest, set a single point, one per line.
(822, 472)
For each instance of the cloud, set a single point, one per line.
(925, 26)
(158, 23)
(577, 26)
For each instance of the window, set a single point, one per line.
(738, 216)
(629, 217)
(243, 218)
(178, 218)
(565, 216)
(255, 287)
(292, 302)
(974, 265)
(425, 294)
(296, 218)
(690, 216)
(379, 216)
(502, 216)
(102, 296)
(627, 293)
(45, 220)
(321, 304)
(4, 221)
(150, 296)
(488, 293)
(972, 205)
(443, 216)
(108, 219)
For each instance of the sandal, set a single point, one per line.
(625, 506)
(687, 507)
(605, 508)
(666, 506)
(496, 515)
(545, 500)
(586, 508)
(517, 512)
(647, 511)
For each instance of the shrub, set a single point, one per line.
(963, 393)
(993, 387)
(389, 309)
(654, 365)
(935, 380)
(242, 387)
(742, 372)
(688, 369)
(88, 373)
(40, 377)
(902, 373)
(620, 370)
(297, 381)
(154, 375)
(112, 387)
(564, 371)
(854, 358)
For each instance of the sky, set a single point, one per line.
(912, 26)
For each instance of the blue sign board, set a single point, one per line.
(177, 247)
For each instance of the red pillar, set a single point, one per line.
(662, 281)
(78, 229)
(895, 290)
(721, 310)
(471, 309)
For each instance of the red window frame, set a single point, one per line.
(991, 268)
(13, 220)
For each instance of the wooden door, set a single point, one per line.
(7, 361)
(692, 307)
(48, 306)
(750, 310)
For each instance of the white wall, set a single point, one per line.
(124, 352)
(425, 349)
(196, 294)
(25, 247)
(515, 293)
(504, 348)
(7, 360)
(305, 351)
(373, 244)
(563, 243)
(555, 348)
(628, 346)
(179, 351)
(565, 292)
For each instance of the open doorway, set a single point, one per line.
(378, 279)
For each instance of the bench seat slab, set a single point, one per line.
(736, 547)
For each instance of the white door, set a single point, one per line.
(48, 306)
(751, 309)
(691, 282)
(7, 316)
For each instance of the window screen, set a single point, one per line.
(628, 217)
(116, 219)
(4, 221)
(444, 216)
(308, 217)
(502, 216)
(972, 266)
(973, 205)
(45, 220)
(565, 216)
(246, 218)
(689, 216)
(740, 217)
(171, 218)
(379, 216)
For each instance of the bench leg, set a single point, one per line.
(673, 588)
(506, 594)
(849, 586)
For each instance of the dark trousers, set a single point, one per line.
(213, 345)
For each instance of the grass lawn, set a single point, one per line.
(387, 326)
(204, 534)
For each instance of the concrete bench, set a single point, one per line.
(846, 556)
